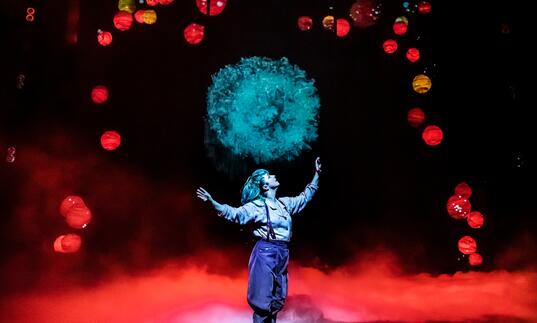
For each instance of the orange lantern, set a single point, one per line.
(413, 54)
(194, 33)
(467, 245)
(328, 23)
(305, 23)
(389, 46)
(139, 16)
(110, 140)
(69, 202)
(99, 94)
(216, 7)
(424, 7)
(78, 216)
(104, 38)
(415, 117)
(475, 259)
(149, 17)
(123, 20)
(475, 219)
(432, 135)
(463, 190)
(421, 83)
(342, 27)
(400, 27)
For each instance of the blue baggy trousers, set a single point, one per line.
(267, 279)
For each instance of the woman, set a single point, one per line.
(271, 219)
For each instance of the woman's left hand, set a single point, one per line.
(318, 165)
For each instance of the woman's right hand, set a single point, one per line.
(204, 195)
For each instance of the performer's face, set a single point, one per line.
(271, 181)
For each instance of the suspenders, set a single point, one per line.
(270, 231)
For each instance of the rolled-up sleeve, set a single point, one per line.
(241, 215)
(298, 203)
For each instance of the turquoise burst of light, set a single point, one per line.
(263, 108)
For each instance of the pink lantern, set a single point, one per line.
(458, 207)
(194, 33)
(475, 219)
(432, 135)
(467, 245)
(389, 46)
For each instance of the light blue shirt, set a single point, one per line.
(280, 215)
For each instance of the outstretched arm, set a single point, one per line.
(298, 203)
(205, 196)
(241, 215)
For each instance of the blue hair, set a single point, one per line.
(252, 188)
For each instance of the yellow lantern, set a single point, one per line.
(328, 22)
(150, 16)
(127, 5)
(422, 83)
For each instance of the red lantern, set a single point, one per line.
(458, 207)
(69, 202)
(78, 216)
(415, 117)
(104, 38)
(475, 219)
(305, 23)
(123, 20)
(400, 27)
(110, 140)
(216, 7)
(413, 54)
(151, 3)
(424, 7)
(475, 259)
(194, 33)
(165, 2)
(139, 16)
(467, 245)
(463, 190)
(342, 27)
(71, 243)
(432, 135)
(99, 94)
(365, 13)
(390, 46)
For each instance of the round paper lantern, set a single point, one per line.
(432, 135)
(304, 23)
(475, 219)
(467, 245)
(123, 20)
(151, 3)
(342, 27)
(421, 83)
(475, 259)
(424, 7)
(415, 117)
(78, 216)
(149, 17)
(126, 5)
(58, 243)
(413, 54)
(139, 16)
(165, 2)
(400, 27)
(70, 243)
(216, 7)
(99, 94)
(463, 190)
(458, 207)
(364, 13)
(328, 23)
(104, 38)
(110, 140)
(69, 202)
(194, 33)
(389, 46)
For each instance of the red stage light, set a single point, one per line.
(467, 245)
(216, 7)
(432, 135)
(413, 54)
(305, 23)
(415, 117)
(475, 219)
(123, 20)
(99, 94)
(194, 33)
(104, 38)
(458, 207)
(389, 46)
(78, 216)
(342, 27)
(110, 140)
(400, 27)
(463, 190)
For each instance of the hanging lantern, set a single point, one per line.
(151, 3)
(463, 190)
(69, 202)
(67, 243)
(139, 16)
(400, 27)
(194, 33)
(305, 23)
(413, 54)
(390, 46)
(424, 7)
(99, 94)
(78, 216)
(165, 2)
(328, 23)
(126, 5)
(475, 259)
(110, 140)
(415, 117)
(364, 13)
(432, 135)
(467, 245)
(104, 38)
(421, 83)
(216, 7)
(123, 20)
(458, 207)
(342, 27)
(150, 17)
(475, 219)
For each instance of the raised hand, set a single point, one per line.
(318, 165)
(203, 194)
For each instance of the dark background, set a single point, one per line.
(382, 188)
